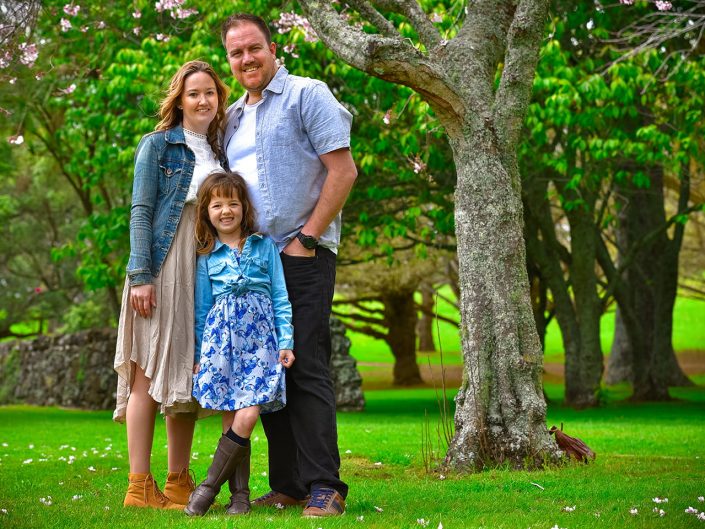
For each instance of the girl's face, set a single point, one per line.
(199, 102)
(225, 213)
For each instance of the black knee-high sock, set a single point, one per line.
(235, 437)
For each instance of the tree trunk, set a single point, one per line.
(578, 319)
(583, 364)
(649, 287)
(400, 315)
(619, 364)
(501, 412)
(425, 325)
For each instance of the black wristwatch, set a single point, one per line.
(307, 241)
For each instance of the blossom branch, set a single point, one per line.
(374, 17)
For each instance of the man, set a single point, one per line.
(290, 139)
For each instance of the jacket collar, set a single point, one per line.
(175, 134)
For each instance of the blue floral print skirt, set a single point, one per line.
(240, 356)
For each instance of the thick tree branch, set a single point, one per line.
(375, 18)
(514, 92)
(393, 59)
(427, 32)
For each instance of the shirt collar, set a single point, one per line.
(218, 244)
(276, 86)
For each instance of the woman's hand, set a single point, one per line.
(142, 299)
(286, 357)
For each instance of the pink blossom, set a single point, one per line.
(69, 89)
(12, 80)
(5, 111)
(289, 21)
(387, 119)
(29, 54)
(72, 10)
(418, 165)
(167, 5)
(37, 290)
(663, 5)
(100, 25)
(5, 60)
(83, 29)
(183, 13)
(137, 30)
(162, 38)
(39, 76)
(626, 2)
(65, 25)
(18, 139)
(136, 14)
(435, 17)
(291, 50)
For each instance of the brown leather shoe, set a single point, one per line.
(179, 486)
(278, 499)
(142, 491)
(324, 502)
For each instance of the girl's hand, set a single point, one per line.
(196, 367)
(286, 357)
(142, 299)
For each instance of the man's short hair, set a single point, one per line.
(241, 18)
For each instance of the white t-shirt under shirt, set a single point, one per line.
(242, 156)
(206, 162)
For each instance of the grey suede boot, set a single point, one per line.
(227, 457)
(239, 484)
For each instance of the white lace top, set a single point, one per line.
(206, 162)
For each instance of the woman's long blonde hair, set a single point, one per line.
(226, 185)
(171, 115)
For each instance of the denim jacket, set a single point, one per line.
(163, 170)
(260, 269)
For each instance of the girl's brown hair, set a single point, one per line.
(171, 115)
(221, 184)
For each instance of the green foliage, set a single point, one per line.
(95, 90)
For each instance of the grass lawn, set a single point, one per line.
(644, 451)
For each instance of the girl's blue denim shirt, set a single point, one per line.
(163, 170)
(260, 269)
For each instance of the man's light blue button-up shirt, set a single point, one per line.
(298, 120)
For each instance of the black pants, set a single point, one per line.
(303, 437)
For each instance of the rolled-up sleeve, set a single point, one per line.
(326, 121)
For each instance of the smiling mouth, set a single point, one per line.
(250, 69)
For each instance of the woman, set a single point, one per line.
(155, 348)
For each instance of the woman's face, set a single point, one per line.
(199, 102)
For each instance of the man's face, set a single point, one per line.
(251, 59)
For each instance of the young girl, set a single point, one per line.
(243, 332)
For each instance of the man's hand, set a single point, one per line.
(286, 357)
(142, 299)
(297, 249)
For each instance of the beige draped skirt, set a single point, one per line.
(163, 344)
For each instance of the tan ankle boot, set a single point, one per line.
(142, 491)
(179, 486)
